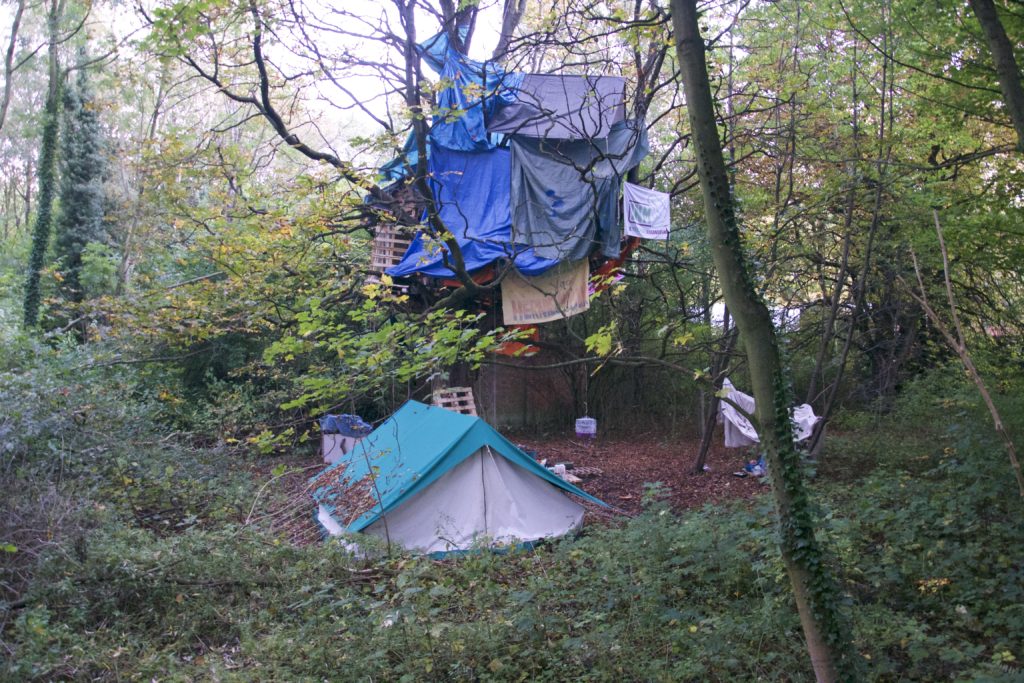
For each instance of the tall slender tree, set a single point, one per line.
(814, 588)
(81, 185)
(47, 169)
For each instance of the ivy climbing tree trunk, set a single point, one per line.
(814, 588)
(81, 188)
(47, 174)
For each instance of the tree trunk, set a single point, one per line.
(47, 176)
(1006, 65)
(813, 586)
(5, 99)
(709, 409)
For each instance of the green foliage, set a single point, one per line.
(56, 402)
(600, 342)
(81, 186)
(98, 275)
(643, 602)
(146, 570)
(44, 212)
(80, 444)
(369, 348)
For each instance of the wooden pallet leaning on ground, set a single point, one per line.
(456, 399)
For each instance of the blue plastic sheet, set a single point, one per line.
(345, 425)
(472, 193)
(403, 165)
(475, 91)
(562, 194)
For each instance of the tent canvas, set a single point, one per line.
(433, 480)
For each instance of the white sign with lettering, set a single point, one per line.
(647, 212)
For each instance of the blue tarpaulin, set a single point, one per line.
(475, 90)
(401, 166)
(472, 193)
(549, 200)
(345, 425)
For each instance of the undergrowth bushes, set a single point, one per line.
(144, 572)
(930, 537)
(80, 446)
(654, 600)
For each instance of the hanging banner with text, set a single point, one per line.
(647, 212)
(558, 293)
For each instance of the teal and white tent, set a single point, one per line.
(432, 480)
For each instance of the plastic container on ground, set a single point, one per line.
(586, 428)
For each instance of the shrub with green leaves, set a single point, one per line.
(927, 536)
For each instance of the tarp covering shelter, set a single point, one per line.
(475, 91)
(432, 480)
(471, 191)
(559, 185)
(565, 193)
(739, 432)
(562, 197)
(562, 107)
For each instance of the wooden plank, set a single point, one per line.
(389, 246)
(456, 399)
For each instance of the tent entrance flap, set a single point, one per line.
(484, 499)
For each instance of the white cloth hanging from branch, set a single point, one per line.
(739, 431)
(646, 213)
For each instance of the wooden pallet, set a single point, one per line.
(586, 471)
(389, 246)
(456, 399)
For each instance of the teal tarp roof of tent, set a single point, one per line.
(408, 452)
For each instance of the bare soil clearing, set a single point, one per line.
(627, 464)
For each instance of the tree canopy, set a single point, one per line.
(200, 193)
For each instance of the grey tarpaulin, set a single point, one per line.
(565, 193)
(563, 107)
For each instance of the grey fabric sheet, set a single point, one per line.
(563, 107)
(565, 193)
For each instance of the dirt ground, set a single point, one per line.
(612, 469)
(627, 464)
